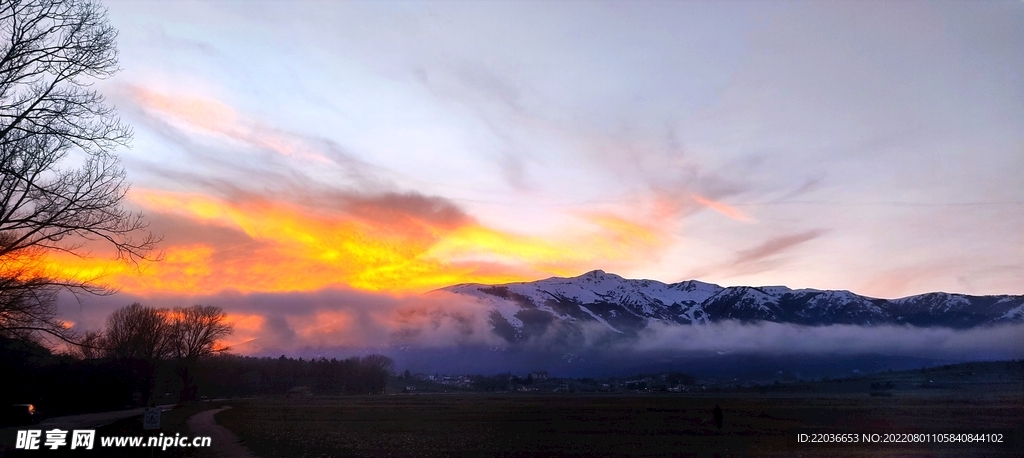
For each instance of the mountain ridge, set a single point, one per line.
(627, 306)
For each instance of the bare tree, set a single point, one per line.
(196, 332)
(146, 338)
(141, 339)
(139, 333)
(91, 345)
(379, 368)
(50, 53)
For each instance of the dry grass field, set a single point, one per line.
(756, 423)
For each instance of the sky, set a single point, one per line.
(381, 150)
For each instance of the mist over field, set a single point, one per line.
(989, 342)
(451, 333)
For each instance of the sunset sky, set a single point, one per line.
(385, 149)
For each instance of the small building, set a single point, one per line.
(539, 375)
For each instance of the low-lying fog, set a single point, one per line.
(440, 333)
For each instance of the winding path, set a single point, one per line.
(224, 443)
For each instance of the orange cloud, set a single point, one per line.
(777, 245)
(194, 111)
(626, 233)
(394, 244)
(607, 239)
(244, 322)
(727, 210)
(324, 323)
(210, 116)
(247, 329)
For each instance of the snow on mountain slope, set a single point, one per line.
(625, 306)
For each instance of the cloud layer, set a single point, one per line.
(826, 145)
(345, 320)
(998, 342)
(314, 168)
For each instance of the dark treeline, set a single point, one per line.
(232, 375)
(65, 384)
(62, 384)
(151, 356)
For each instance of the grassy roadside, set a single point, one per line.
(172, 422)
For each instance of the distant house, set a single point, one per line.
(301, 392)
(539, 375)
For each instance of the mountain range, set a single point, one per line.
(623, 306)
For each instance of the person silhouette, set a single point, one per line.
(718, 416)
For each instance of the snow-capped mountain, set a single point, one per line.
(625, 306)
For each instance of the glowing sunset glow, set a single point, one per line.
(286, 155)
(243, 322)
(291, 248)
(246, 330)
(323, 323)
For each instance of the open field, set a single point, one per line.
(614, 425)
(760, 420)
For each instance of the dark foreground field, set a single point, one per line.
(758, 420)
(618, 425)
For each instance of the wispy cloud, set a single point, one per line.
(653, 115)
(206, 116)
(776, 245)
(281, 225)
(723, 208)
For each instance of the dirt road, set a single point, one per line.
(224, 442)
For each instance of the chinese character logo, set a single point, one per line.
(55, 438)
(28, 439)
(83, 438)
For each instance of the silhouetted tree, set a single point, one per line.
(195, 332)
(138, 332)
(90, 346)
(379, 368)
(140, 338)
(50, 52)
